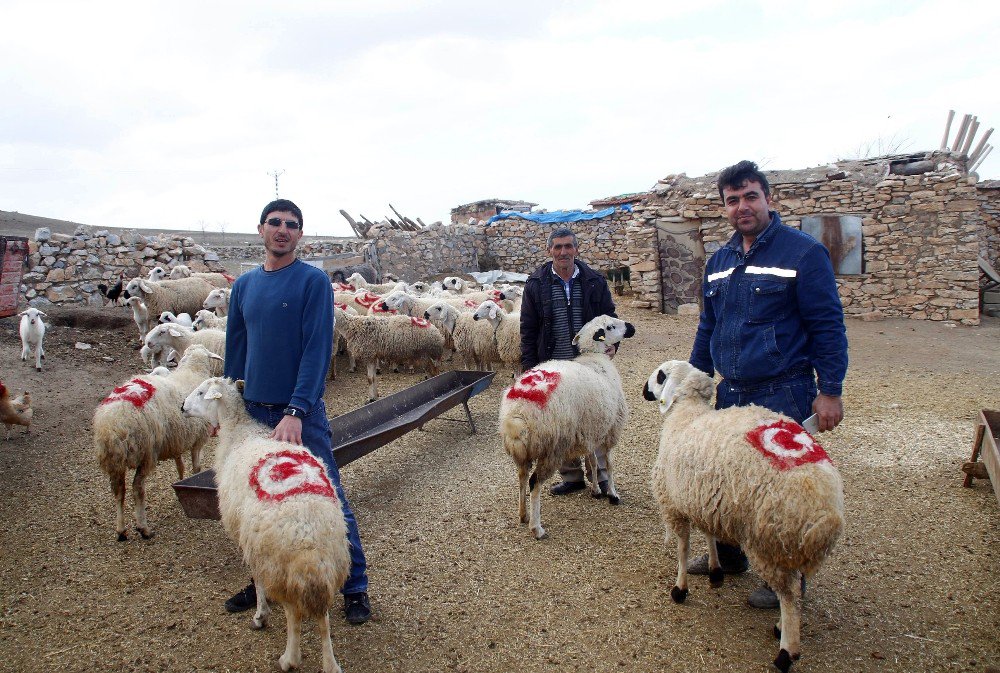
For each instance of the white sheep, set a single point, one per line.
(218, 300)
(456, 284)
(506, 333)
(156, 274)
(178, 296)
(206, 319)
(180, 271)
(565, 409)
(140, 423)
(215, 278)
(470, 339)
(359, 282)
(179, 319)
(340, 342)
(140, 314)
(747, 476)
(399, 339)
(178, 337)
(32, 330)
(278, 503)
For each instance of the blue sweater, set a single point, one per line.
(773, 311)
(279, 336)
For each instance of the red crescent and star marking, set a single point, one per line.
(136, 392)
(367, 299)
(470, 303)
(286, 474)
(786, 444)
(535, 385)
(342, 307)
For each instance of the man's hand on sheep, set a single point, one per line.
(289, 429)
(829, 411)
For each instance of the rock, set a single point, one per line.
(114, 239)
(689, 309)
(80, 346)
(61, 293)
(211, 257)
(871, 316)
(43, 234)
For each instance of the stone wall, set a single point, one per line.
(255, 251)
(64, 269)
(921, 236)
(989, 202)
(436, 249)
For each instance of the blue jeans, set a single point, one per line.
(792, 397)
(316, 435)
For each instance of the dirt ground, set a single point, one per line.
(457, 584)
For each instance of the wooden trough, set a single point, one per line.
(985, 447)
(363, 430)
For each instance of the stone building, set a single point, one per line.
(487, 208)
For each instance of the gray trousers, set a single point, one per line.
(572, 470)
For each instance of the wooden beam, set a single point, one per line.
(970, 136)
(354, 225)
(966, 120)
(947, 129)
(979, 148)
(982, 158)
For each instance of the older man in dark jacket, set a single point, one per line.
(559, 298)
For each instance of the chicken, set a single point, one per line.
(15, 411)
(115, 292)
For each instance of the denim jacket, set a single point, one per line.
(773, 312)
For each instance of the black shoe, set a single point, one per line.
(567, 487)
(243, 600)
(764, 597)
(699, 566)
(357, 609)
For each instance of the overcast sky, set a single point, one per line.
(157, 114)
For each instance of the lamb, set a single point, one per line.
(564, 409)
(218, 300)
(747, 476)
(140, 314)
(32, 331)
(456, 284)
(179, 338)
(178, 296)
(180, 319)
(156, 355)
(206, 319)
(15, 411)
(156, 274)
(180, 271)
(397, 338)
(278, 503)
(506, 333)
(140, 423)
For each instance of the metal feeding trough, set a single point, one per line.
(363, 430)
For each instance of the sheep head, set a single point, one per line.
(674, 380)
(32, 314)
(209, 397)
(138, 287)
(444, 313)
(601, 333)
(488, 310)
(158, 273)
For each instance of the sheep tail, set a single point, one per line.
(309, 578)
(819, 539)
(516, 435)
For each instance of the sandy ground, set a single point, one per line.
(459, 585)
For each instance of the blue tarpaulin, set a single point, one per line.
(558, 215)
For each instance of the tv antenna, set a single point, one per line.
(276, 174)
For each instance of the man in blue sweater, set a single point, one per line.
(771, 324)
(279, 338)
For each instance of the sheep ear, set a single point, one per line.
(43, 313)
(213, 393)
(22, 312)
(173, 331)
(493, 312)
(668, 395)
(144, 286)
(240, 384)
(576, 339)
(599, 335)
(661, 376)
(213, 356)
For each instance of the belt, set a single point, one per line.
(266, 405)
(785, 377)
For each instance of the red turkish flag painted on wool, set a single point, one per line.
(285, 474)
(367, 299)
(535, 385)
(136, 392)
(786, 444)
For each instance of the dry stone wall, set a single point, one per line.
(412, 255)
(989, 202)
(64, 269)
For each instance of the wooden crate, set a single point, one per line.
(984, 448)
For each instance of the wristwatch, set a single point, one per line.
(294, 412)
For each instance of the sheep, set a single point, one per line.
(32, 329)
(180, 271)
(471, 340)
(278, 503)
(206, 319)
(506, 333)
(140, 314)
(564, 409)
(218, 300)
(396, 338)
(157, 355)
(215, 279)
(180, 319)
(359, 282)
(179, 338)
(140, 423)
(178, 296)
(156, 274)
(456, 284)
(339, 341)
(747, 476)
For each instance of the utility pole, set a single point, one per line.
(276, 174)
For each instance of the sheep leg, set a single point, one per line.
(24, 352)
(715, 575)
(372, 383)
(789, 591)
(538, 477)
(522, 477)
(179, 462)
(292, 658)
(330, 664)
(139, 496)
(612, 490)
(590, 460)
(118, 490)
(682, 531)
(196, 458)
(39, 354)
(263, 609)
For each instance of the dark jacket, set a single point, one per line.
(536, 310)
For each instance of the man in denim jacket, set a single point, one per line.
(772, 324)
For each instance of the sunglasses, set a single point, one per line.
(277, 222)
